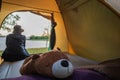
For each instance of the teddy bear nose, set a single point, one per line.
(64, 63)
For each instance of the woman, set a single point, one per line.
(15, 46)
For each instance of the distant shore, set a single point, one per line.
(2, 36)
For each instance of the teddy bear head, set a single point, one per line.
(52, 64)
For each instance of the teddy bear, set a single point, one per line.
(55, 65)
(50, 64)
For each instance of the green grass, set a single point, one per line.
(1, 53)
(33, 50)
(37, 50)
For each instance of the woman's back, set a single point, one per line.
(15, 46)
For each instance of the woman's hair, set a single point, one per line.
(17, 29)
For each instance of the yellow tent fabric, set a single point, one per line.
(85, 27)
(94, 30)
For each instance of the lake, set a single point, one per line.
(29, 43)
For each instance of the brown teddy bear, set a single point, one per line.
(51, 64)
(55, 65)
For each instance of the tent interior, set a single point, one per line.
(89, 29)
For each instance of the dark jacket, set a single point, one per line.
(15, 48)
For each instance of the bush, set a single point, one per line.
(39, 38)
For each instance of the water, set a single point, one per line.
(29, 43)
(2, 43)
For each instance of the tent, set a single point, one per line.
(87, 28)
(90, 28)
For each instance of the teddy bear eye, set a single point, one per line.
(64, 63)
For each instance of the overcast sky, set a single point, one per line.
(32, 24)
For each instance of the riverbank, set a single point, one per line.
(33, 50)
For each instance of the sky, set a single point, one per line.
(114, 4)
(31, 23)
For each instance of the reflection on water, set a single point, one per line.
(29, 43)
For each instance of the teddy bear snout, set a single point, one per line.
(62, 68)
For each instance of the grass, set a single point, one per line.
(37, 50)
(1, 52)
(33, 50)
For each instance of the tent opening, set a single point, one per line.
(37, 29)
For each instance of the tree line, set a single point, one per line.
(39, 38)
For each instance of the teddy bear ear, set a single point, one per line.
(35, 56)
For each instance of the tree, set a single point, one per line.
(9, 22)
